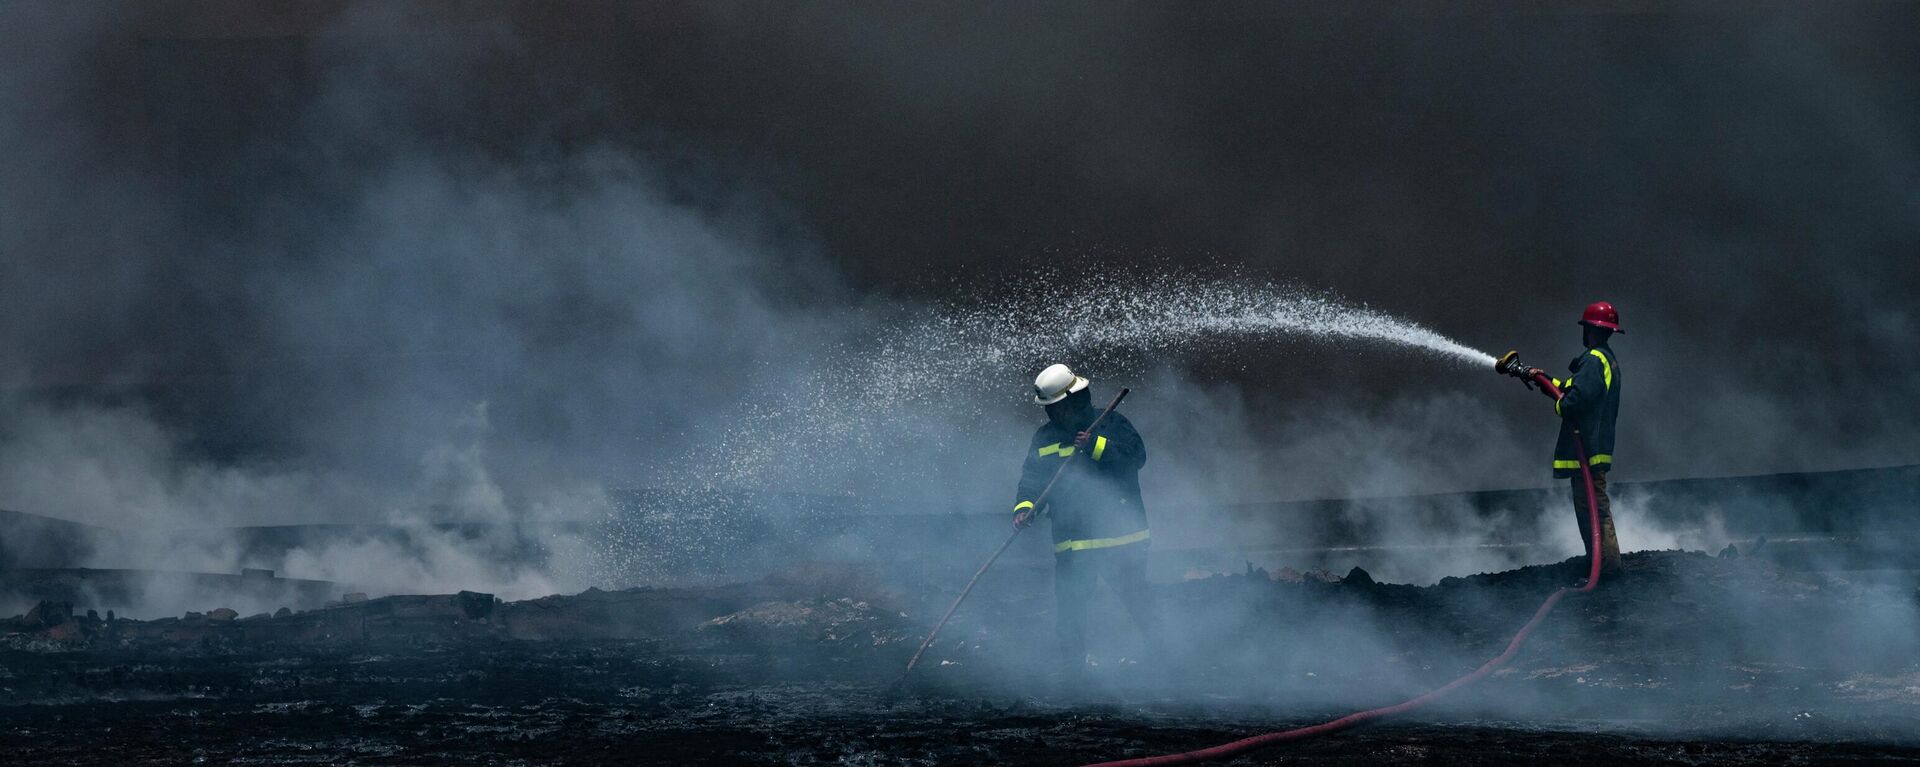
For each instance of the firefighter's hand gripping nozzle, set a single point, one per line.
(1509, 364)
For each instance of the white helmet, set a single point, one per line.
(1055, 383)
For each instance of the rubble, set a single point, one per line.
(818, 621)
(799, 608)
(698, 666)
(475, 605)
(49, 614)
(770, 648)
(146, 590)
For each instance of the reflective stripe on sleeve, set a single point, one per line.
(1022, 506)
(1099, 446)
(1056, 449)
(1597, 460)
(1100, 543)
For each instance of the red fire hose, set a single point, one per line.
(1244, 745)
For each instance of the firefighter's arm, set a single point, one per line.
(1033, 478)
(1117, 446)
(1582, 390)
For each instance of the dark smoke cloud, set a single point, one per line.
(1742, 184)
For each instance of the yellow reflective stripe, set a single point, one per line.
(1597, 460)
(1100, 543)
(1099, 446)
(1055, 448)
(1556, 407)
(1023, 505)
(1606, 367)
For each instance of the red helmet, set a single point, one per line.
(1601, 314)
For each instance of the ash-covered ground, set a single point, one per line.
(1687, 658)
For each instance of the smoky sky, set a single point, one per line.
(194, 192)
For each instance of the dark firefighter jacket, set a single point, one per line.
(1590, 401)
(1096, 504)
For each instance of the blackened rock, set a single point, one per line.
(69, 631)
(223, 614)
(475, 605)
(282, 613)
(49, 613)
(1730, 552)
(1357, 577)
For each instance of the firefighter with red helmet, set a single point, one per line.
(1587, 408)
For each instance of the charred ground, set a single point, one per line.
(1687, 658)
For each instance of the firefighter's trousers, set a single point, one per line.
(1609, 544)
(1124, 569)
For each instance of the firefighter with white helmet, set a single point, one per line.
(1095, 513)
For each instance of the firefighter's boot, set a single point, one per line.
(1610, 563)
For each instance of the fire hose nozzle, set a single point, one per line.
(1509, 364)
(1534, 378)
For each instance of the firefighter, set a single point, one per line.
(1590, 402)
(1098, 523)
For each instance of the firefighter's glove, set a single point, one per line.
(1023, 519)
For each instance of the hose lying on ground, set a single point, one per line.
(1244, 745)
